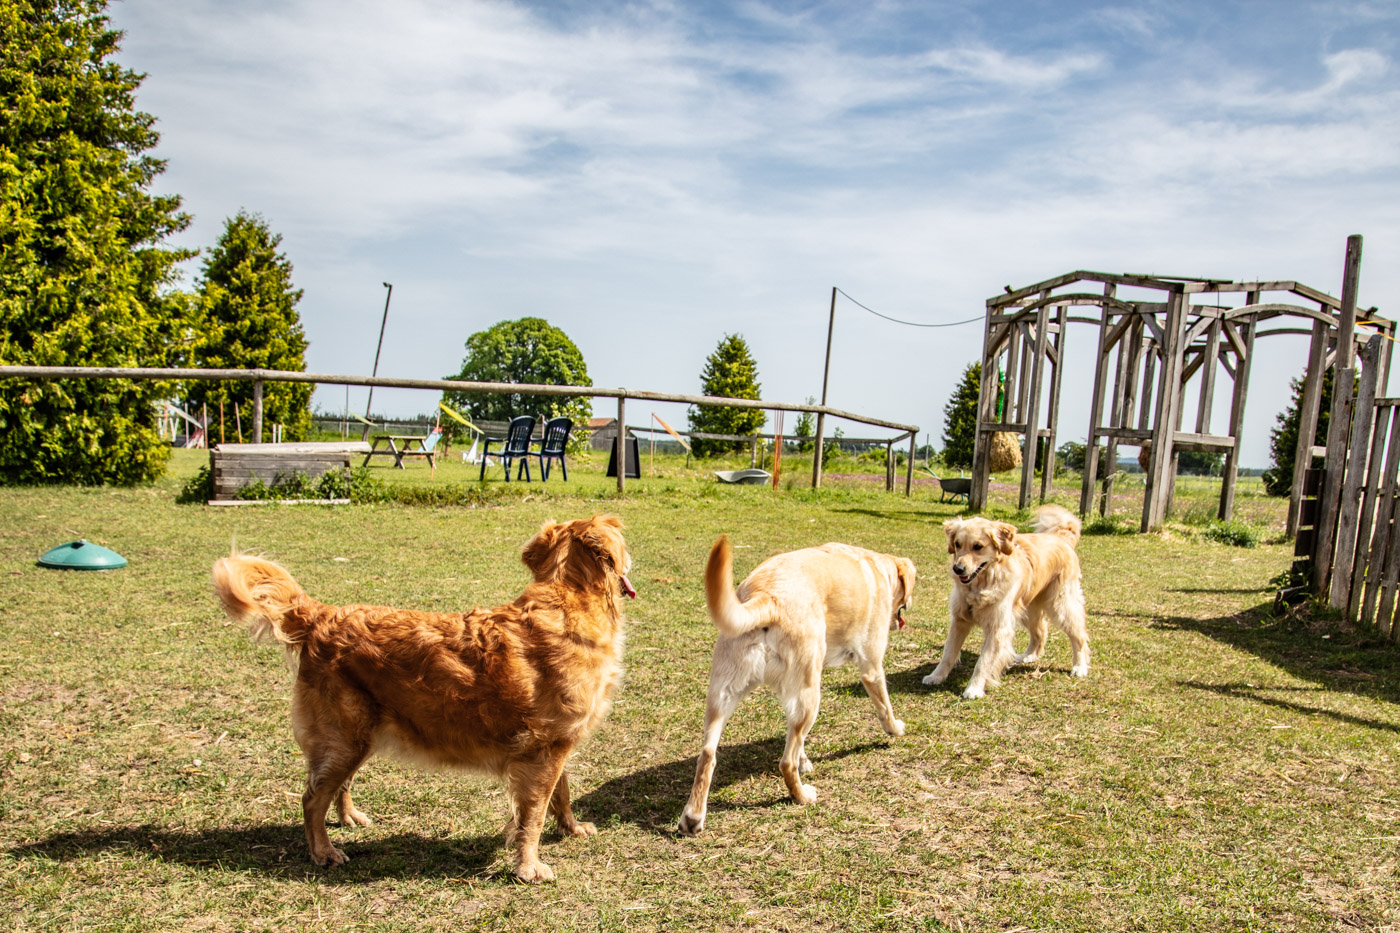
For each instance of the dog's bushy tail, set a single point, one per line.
(1056, 520)
(731, 616)
(265, 596)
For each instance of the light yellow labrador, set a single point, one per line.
(795, 614)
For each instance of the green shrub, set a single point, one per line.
(1234, 532)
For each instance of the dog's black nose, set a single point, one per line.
(959, 570)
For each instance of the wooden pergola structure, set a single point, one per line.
(1152, 342)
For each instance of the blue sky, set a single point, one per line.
(651, 176)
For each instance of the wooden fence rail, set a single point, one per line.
(260, 376)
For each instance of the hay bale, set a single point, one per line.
(1145, 456)
(1005, 452)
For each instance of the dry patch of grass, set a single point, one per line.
(1219, 769)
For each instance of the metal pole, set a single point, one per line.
(390, 294)
(821, 416)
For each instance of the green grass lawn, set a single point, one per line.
(1220, 769)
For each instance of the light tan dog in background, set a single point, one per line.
(510, 691)
(795, 614)
(1000, 579)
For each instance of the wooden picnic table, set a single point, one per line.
(399, 446)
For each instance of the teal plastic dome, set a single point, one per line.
(82, 555)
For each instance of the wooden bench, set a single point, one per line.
(234, 466)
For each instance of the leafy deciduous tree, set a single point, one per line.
(729, 372)
(530, 351)
(248, 320)
(83, 277)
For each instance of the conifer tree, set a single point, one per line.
(84, 279)
(730, 372)
(960, 419)
(248, 320)
(1283, 439)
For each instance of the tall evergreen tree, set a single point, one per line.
(248, 320)
(730, 372)
(1283, 439)
(84, 279)
(531, 351)
(960, 418)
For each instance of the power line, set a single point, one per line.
(908, 323)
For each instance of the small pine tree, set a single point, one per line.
(960, 419)
(1283, 439)
(729, 372)
(248, 320)
(805, 428)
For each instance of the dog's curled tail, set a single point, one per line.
(263, 595)
(730, 616)
(1057, 520)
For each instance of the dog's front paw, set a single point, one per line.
(937, 677)
(1080, 670)
(896, 727)
(354, 817)
(329, 857)
(808, 795)
(1030, 657)
(804, 766)
(534, 872)
(691, 825)
(580, 830)
(974, 692)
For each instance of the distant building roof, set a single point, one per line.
(600, 422)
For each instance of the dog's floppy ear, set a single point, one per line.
(950, 528)
(905, 572)
(602, 534)
(539, 554)
(1005, 536)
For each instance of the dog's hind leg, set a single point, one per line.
(1071, 616)
(723, 699)
(564, 814)
(872, 677)
(1035, 624)
(801, 715)
(959, 627)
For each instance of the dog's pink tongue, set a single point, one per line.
(627, 587)
(900, 616)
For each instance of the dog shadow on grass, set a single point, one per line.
(1335, 656)
(279, 849)
(653, 797)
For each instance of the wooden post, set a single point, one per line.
(621, 444)
(1158, 489)
(909, 467)
(889, 466)
(1379, 560)
(986, 413)
(257, 411)
(1030, 414)
(1362, 573)
(1308, 411)
(1052, 411)
(1339, 423)
(1243, 364)
(1124, 403)
(1091, 446)
(821, 415)
(1354, 467)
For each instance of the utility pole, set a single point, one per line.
(821, 416)
(390, 294)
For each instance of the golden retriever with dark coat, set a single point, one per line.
(795, 614)
(510, 690)
(1001, 578)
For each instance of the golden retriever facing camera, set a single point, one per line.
(795, 614)
(510, 691)
(1000, 579)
